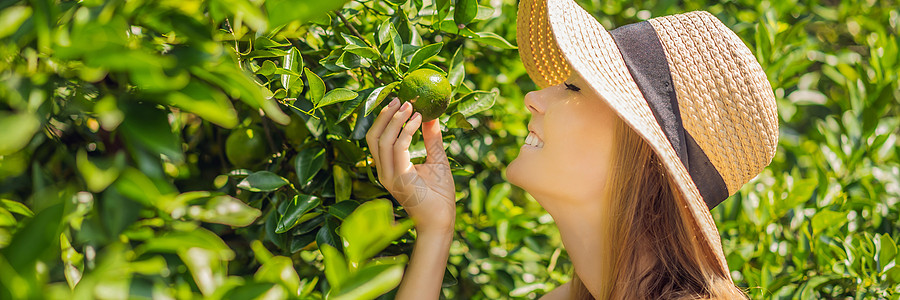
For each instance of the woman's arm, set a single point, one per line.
(426, 191)
(425, 272)
(561, 293)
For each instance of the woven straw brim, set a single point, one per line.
(559, 37)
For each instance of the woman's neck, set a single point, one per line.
(584, 229)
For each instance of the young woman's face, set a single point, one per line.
(573, 129)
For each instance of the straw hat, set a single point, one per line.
(685, 83)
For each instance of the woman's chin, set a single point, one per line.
(513, 175)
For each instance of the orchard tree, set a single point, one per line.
(213, 148)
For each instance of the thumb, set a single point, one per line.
(434, 142)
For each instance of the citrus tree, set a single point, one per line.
(213, 148)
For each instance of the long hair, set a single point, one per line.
(653, 252)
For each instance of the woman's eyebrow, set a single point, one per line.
(572, 86)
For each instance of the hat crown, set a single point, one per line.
(724, 98)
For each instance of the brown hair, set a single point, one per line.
(655, 253)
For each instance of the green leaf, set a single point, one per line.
(888, 251)
(458, 120)
(396, 45)
(308, 162)
(17, 131)
(265, 53)
(11, 18)
(229, 211)
(377, 96)
(457, 71)
(336, 270)
(250, 14)
(293, 62)
(451, 27)
(316, 86)
(327, 234)
(484, 12)
(268, 68)
(476, 102)
(343, 209)
(351, 106)
(372, 281)
(264, 42)
(363, 51)
(369, 229)
(383, 34)
(465, 11)
(17, 207)
(150, 127)
(297, 207)
(423, 54)
(206, 267)
(827, 219)
(490, 38)
(284, 11)
(256, 290)
(262, 181)
(335, 96)
(99, 173)
(175, 241)
(6, 218)
(206, 102)
(280, 270)
(342, 183)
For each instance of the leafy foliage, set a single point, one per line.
(115, 181)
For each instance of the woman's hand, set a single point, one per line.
(426, 191)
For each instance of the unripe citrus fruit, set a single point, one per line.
(246, 147)
(428, 91)
(296, 132)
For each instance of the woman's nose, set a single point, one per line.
(533, 102)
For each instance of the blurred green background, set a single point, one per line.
(186, 148)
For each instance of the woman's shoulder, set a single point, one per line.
(561, 292)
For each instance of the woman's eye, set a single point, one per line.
(572, 87)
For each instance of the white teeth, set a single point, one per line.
(533, 140)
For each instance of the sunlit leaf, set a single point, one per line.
(335, 96)
(296, 207)
(18, 130)
(262, 181)
(476, 102)
(377, 96)
(316, 87)
(369, 229)
(308, 162)
(342, 183)
(227, 210)
(423, 54)
(490, 38)
(465, 11)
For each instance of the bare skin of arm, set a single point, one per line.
(426, 191)
(559, 293)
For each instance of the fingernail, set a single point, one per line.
(394, 102)
(405, 106)
(416, 115)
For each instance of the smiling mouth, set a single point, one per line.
(533, 140)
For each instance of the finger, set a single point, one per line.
(389, 137)
(434, 143)
(378, 127)
(401, 147)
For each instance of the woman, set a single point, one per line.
(635, 135)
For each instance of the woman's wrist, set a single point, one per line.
(435, 232)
